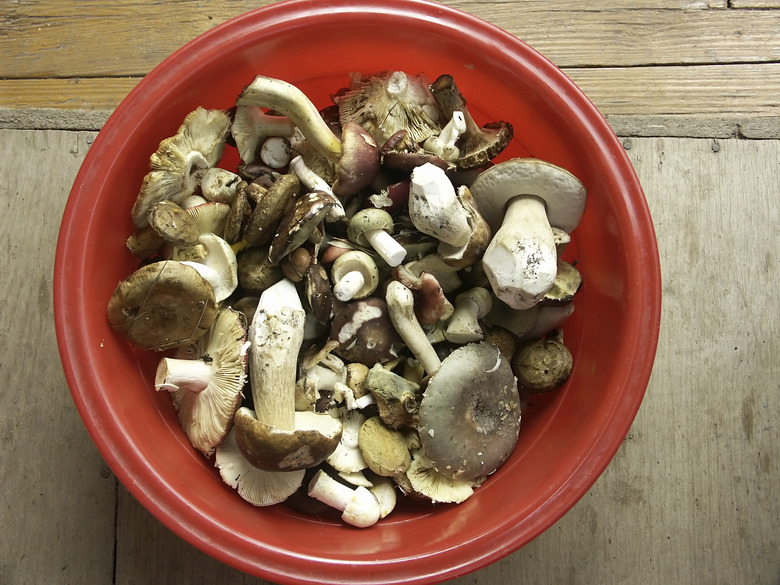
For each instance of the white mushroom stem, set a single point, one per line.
(521, 260)
(444, 144)
(400, 308)
(276, 333)
(386, 246)
(359, 507)
(349, 284)
(434, 207)
(275, 152)
(178, 374)
(287, 99)
(470, 307)
(316, 183)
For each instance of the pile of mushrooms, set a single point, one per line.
(364, 305)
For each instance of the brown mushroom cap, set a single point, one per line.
(470, 413)
(162, 305)
(270, 448)
(364, 331)
(298, 223)
(359, 162)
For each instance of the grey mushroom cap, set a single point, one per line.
(563, 193)
(469, 417)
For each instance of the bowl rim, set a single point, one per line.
(275, 564)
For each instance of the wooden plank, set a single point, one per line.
(691, 496)
(57, 517)
(58, 39)
(703, 101)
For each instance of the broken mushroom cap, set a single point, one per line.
(205, 380)
(162, 306)
(522, 199)
(219, 265)
(267, 447)
(470, 413)
(180, 161)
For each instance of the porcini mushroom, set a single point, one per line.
(162, 305)
(205, 380)
(470, 413)
(521, 199)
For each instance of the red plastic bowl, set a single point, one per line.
(566, 441)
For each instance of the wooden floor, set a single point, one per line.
(692, 87)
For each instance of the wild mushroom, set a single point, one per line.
(384, 449)
(470, 413)
(521, 199)
(364, 331)
(477, 146)
(424, 480)
(445, 144)
(359, 162)
(400, 307)
(397, 397)
(354, 275)
(541, 365)
(219, 185)
(219, 265)
(470, 306)
(385, 103)
(252, 126)
(270, 208)
(173, 224)
(471, 252)
(258, 487)
(373, 228)
(178, 164)
(347, 457)
(287, 99)
(359, 507)
(162, 305)
(434, 207)
(205, 380)
(276, 152)
(566, 284)
(298, 223)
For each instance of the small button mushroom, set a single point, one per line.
(178, 164)
(162, 306)
(256, 486)
(276, 152)
(290, 101)
(434, 207)
(541, 365)
(205, 380)
(359, 507)
(373, 228)
(521, 199)
(400, 306)
(470, 413)
(354, 275)
(470, 306)
(477, 145)
(445, 144)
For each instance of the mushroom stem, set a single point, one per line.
(386, 246)
(178, 374)
(313, 181)
(359, 506)
(287, 99)
(400, 306)
(521, 260)
(276, 334)
(349, 284)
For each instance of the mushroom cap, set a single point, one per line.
(221, 259)
(162, 305)
(359, 162)
(541, 365)
(566, 284)
(206, 416)
(315, 436)
(174, 225)
(364, 331)
(256, 486)
(470, 413)
(368, 219)
(357, 260)
(563, 193)
(298, 223)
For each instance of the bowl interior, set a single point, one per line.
(566, 439)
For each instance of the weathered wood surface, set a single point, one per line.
(691, 497)
(703, 68)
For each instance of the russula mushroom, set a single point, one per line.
(252, 126)
(359, 507)
(470, 306)
(347, 457)
(287, 99)
(397, 398)
(219, 185)
(470, 413)
(541, 365)
(424, 480)
(477, 146)
(298, 223)
(373, 228)
(521, 199)
(174, 225)
(256, 486)
(384, 449)
(400, 307)
(364, 331)
(354, 275)
(162, 305)
(566, 284)
(471, 252)
(178, 164)
(276, 152)
(359, 162)
(385, 103)
(219, 265)
(434, 207)
(205, 380)
(270, 208)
